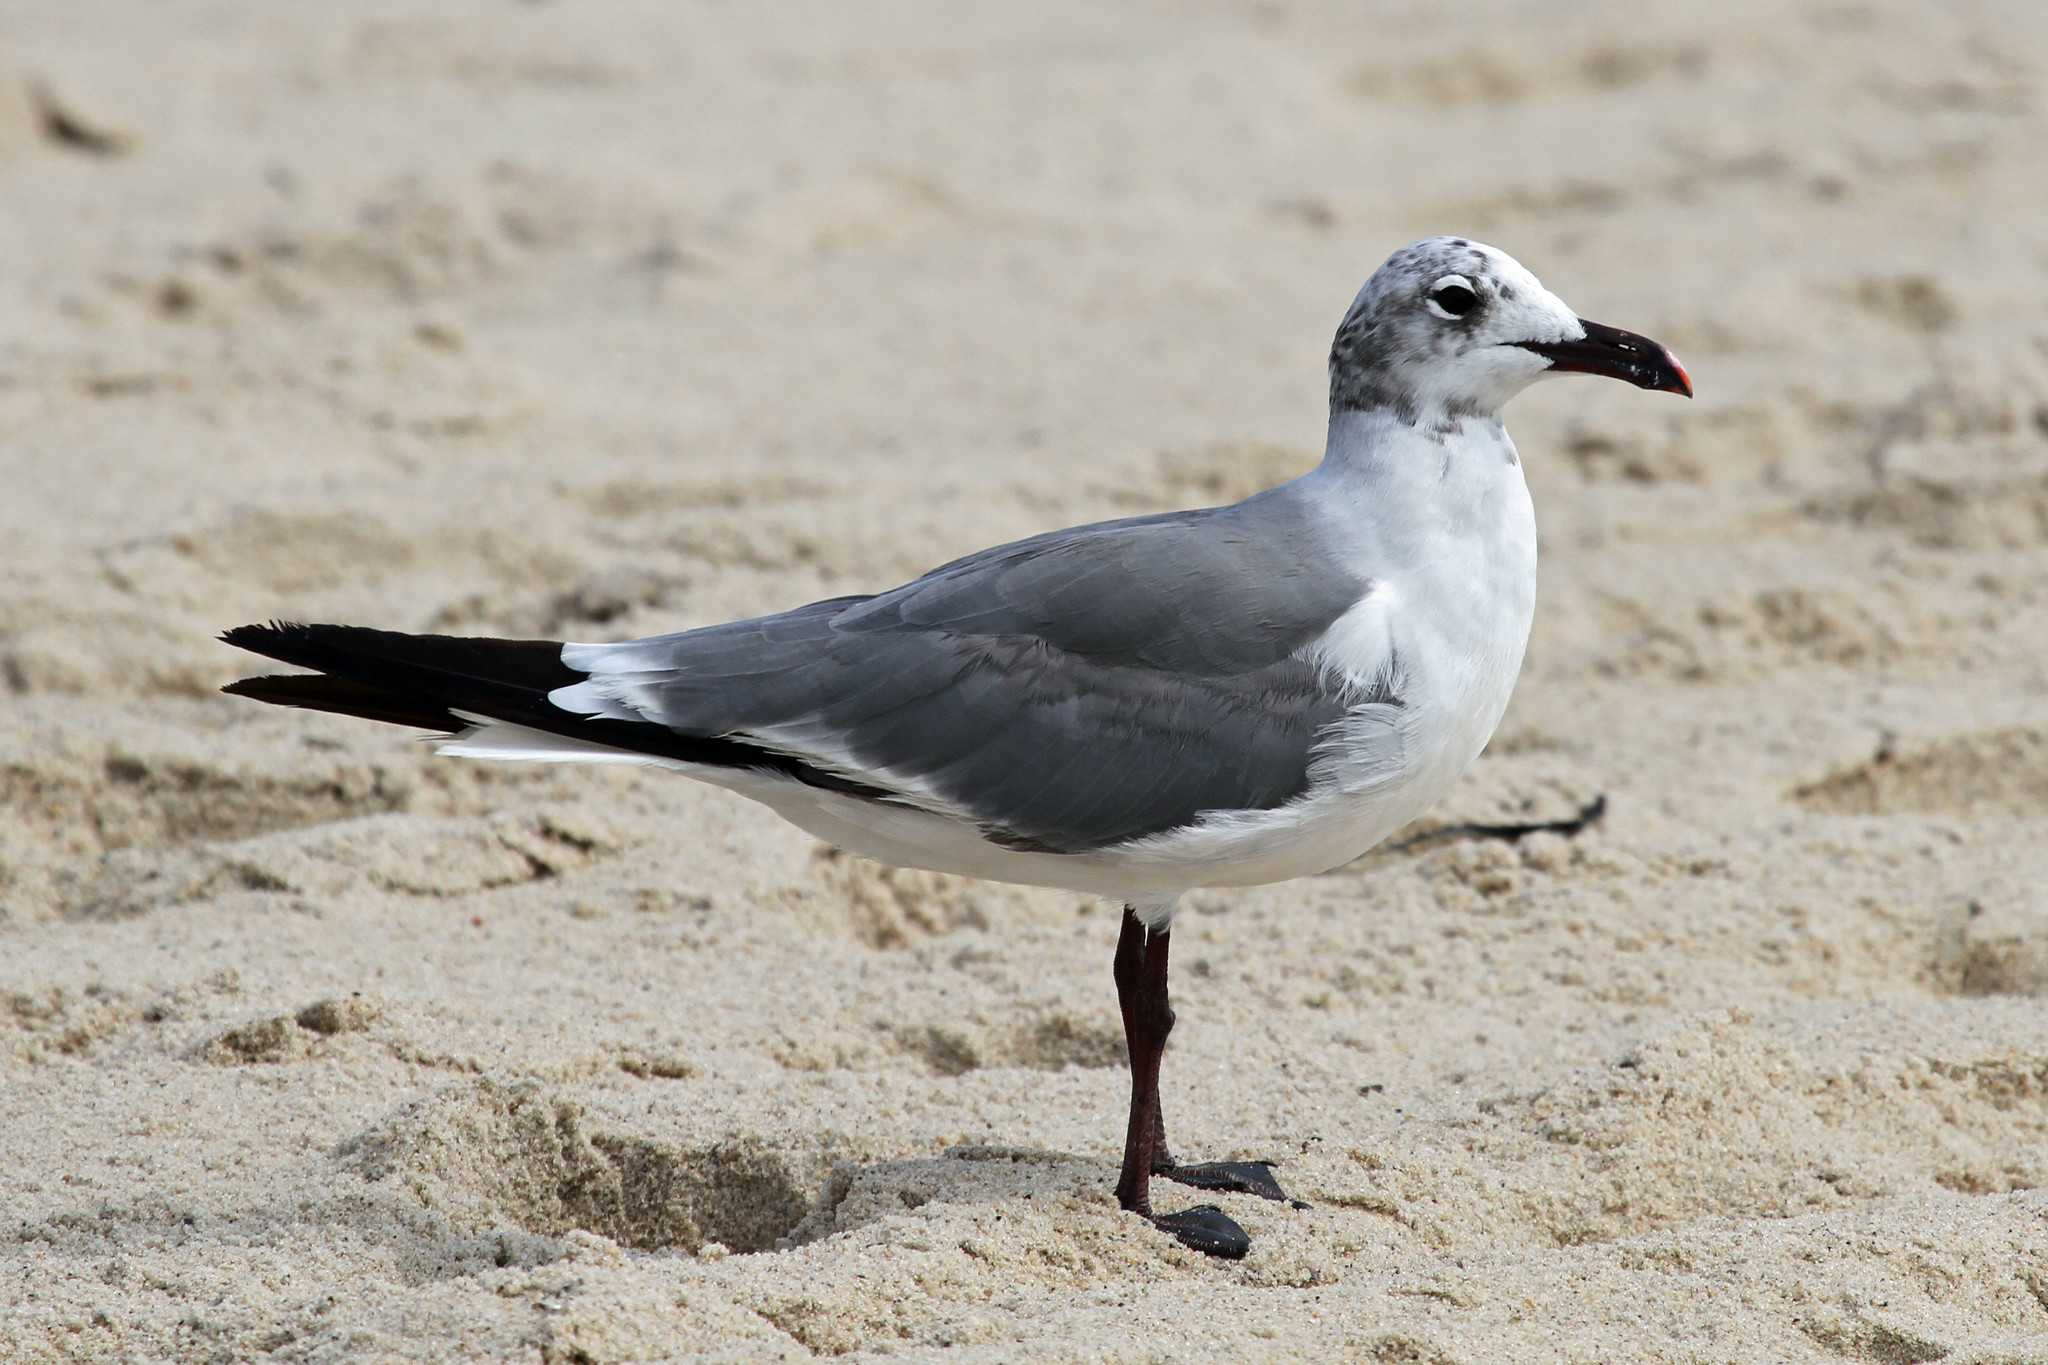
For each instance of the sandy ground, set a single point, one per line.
(594, 320)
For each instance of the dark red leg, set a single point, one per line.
(1148, 1019)
(1141, 995)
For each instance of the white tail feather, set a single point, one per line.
(487, 738)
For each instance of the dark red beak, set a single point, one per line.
(1618, 355)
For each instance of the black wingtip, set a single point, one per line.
(415, 680)
(254, 637)
(342, 697)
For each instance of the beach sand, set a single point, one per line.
(589, 321)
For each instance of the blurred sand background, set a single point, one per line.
(595, 320)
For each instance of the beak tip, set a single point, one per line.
(1681, 382)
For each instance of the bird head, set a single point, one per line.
(1448, 328)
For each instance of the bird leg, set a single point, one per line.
(1141, 956)
(1148, 1019)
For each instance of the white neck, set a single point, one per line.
(1404, 493)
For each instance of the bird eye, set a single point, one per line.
(1452, 297)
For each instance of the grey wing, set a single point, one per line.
(1067, 692)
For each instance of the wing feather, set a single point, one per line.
(1071, 691)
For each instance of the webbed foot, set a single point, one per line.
(1230, 1177)
(1207, 1229)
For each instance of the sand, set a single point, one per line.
(596, 320)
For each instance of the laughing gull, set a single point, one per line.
(1222, 697)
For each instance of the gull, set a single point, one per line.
(1213, 698)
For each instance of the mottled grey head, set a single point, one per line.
(1448, 328)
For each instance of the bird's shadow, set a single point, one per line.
(857, 1195)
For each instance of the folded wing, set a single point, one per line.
(1066, 693)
